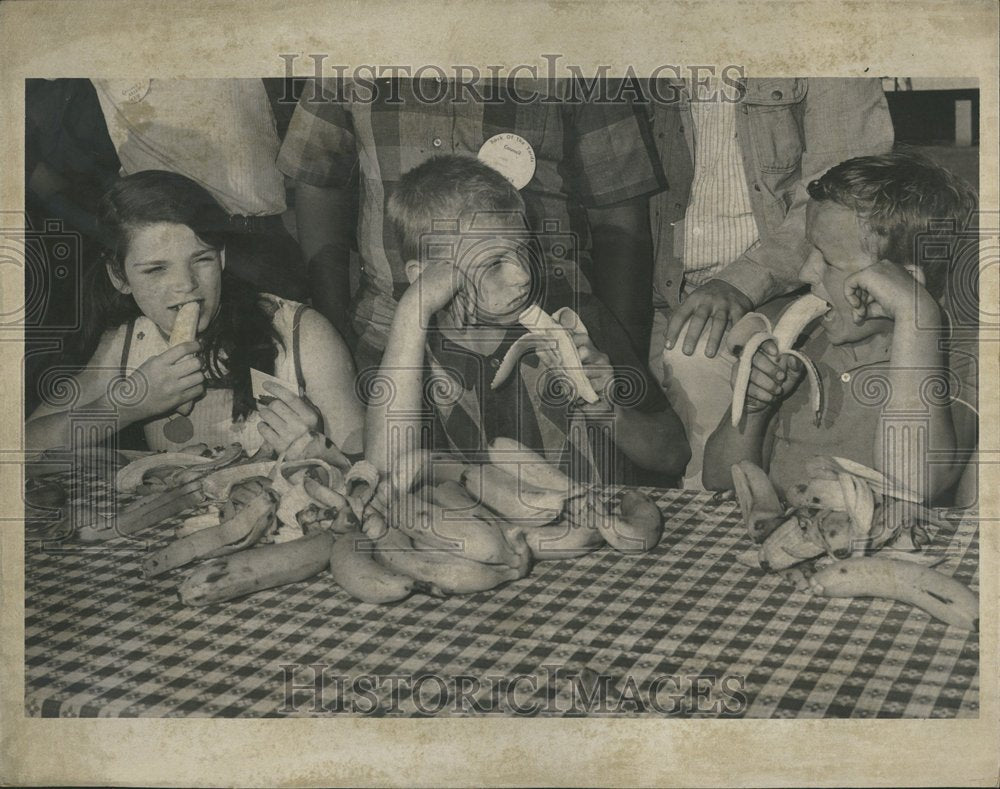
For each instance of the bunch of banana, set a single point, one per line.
(844, 512)
(754, 329)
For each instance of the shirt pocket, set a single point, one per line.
(774, 107)
(528, 119)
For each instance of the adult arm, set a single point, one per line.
(319, 153)
(842, 118)
(623, 266)
(326, 217)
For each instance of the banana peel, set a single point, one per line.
(760, 506)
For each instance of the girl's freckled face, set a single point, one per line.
(166, 266)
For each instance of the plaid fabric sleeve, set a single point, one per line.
(612, 156)
(319, 148)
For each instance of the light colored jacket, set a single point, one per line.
(791, 130)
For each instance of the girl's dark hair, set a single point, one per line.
(242, 333)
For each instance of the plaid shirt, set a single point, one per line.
(468, 414)
(587, 155)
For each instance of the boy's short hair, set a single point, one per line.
(899, 195)
(449, 188)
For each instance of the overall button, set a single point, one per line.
(436, 142)
(845, 377)
(776, 95)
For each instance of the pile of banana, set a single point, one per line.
(437, 525)
(843, 514)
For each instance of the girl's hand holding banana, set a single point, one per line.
(169, 380)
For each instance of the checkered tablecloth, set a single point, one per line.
(685, 630)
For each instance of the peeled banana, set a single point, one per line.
(551, 336)
(793, 321)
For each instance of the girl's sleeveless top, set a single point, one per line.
(212, 414)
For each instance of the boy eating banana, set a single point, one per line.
(454, 376)
(898, 372)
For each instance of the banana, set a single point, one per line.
(374, 525)
(759, 503)
(445, 573)
(860, 504)
(515, 500)
(218, 484)
(531, 465)
(824, 494)
(836, 533)
(130, 477)
(552, 337)
(353, 567)
(478, 528)
(185, 329)
(939, 595)
(877, 481)
(429, 525)
(250, 571)
(360, 483)
(636, 528)
(234, 533)
(793, 321)
(562, 540)
(182, 475)
(792, 542)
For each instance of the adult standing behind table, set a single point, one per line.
(594, 168)
(729, 234)
(221, 134)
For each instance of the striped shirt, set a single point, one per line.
(218, 132)
(719, 225)
(587, 154)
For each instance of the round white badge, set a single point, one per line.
(512, 156)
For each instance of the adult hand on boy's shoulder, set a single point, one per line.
(883, 290)
(714, 306)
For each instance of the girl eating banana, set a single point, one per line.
(172, 339)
